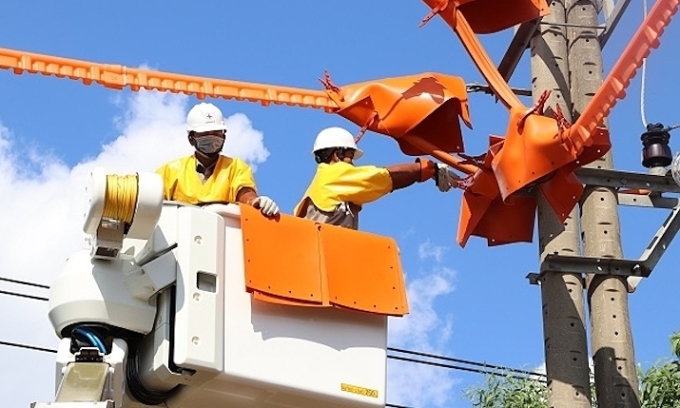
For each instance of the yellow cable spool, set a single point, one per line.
(121, 197)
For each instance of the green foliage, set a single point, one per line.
(509, 392)
(675, 344)
(661, 382)
(660, 387)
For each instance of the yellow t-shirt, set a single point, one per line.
(341, 182)
(181, 181)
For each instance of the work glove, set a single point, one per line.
(266, 205)
(444, 177)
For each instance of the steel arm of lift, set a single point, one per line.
(119, 76)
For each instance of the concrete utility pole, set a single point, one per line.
(612, 341)
(564, 332)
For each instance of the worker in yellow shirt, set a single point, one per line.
(339, 189)
(208, 176)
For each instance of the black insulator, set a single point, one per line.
(655, 149)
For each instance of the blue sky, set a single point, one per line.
(472, 303)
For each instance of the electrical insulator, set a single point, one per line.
(655, 150)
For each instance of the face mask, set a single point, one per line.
(209, 144)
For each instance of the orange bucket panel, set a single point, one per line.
(293, 261)
(281, 256)
(282, 301)
(364, 272)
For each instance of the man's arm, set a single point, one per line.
(247, 195)
(406, 174)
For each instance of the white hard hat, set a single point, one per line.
(336, 137)
(205, 117)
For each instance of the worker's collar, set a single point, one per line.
(203, 169)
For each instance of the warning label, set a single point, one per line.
(359, 390)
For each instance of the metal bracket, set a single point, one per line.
(626, 179)
(474, 87)
(520, 42)
(633, 269)
(613, 20)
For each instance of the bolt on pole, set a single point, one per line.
(564, 331)
(616, 380)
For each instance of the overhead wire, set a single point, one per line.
(485, 367)
(468, 369)
(673, 127)
(26, 346)
(469, 362)
(44, 349)
(23, 295)
(20, 282)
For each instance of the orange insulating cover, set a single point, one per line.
(498, 222)
(294, 261)
(533, 149)
(454, 17)
(490, 16)
(426, 105)
(562, 191)
(116, 76)
(483, 212)
(614, 86)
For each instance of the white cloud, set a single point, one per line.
(428, 250)
(41, 219)
(240, 146)
(423, 330)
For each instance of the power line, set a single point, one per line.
(450, 366)
(4, 292)
(26, 346)
(488, 368)
(474, 363)
(37, 285)
(468, 369)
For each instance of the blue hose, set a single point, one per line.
(92, 337)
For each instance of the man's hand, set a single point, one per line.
(444, 178)
(266, 205)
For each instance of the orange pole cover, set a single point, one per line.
(427, 106)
